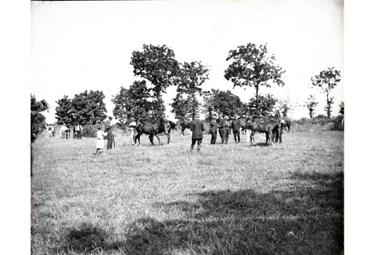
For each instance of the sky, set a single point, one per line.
(79, 46)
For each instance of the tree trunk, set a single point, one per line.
(257, 90)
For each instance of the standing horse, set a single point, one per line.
(271, 128)
(184, 124)
(153, 129)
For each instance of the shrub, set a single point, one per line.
(89, 131)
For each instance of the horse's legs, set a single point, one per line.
(252, 138)
(137, 138)
(151, 137)
(168, 135)
(158, 138)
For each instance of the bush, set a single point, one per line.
(89, 131)
(339, 123)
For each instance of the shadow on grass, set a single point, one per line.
(307, 219)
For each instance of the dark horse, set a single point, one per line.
(153, 129)
(184, 124)
(271, 128)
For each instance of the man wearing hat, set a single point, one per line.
(236, 126)
(213, 129)
(222, 129)
(227, 129)
(132, 130)
(197, 128)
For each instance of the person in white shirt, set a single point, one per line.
(99, 140)
(132, 128)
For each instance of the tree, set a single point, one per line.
(89, 107)
(63, 112)
(37, 118)
(180, 106)
(251, 66)
(134, 102)
(223, 102)
(158, 65)
(283, 106)
(327, 80)
(311, 103)
(84, 108)
(189, 80)
(262, 106)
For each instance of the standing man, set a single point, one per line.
(213, 130)
(110, 137)
(78, 129)
(227, 129)
(197, 128)
(222, 129)
(132, 127)
(236, 126)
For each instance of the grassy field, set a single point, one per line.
(227, 199)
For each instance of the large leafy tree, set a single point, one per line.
(252, 66)
(311, 104)
(87, 107)
(180, 106)
(262, 106)
(63, 111)
(189, 80)
(222, 102)
(326, 80)
(37, 118)
(134, 102)
(158, 65)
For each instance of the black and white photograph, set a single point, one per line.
(187, 127)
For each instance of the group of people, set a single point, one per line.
(224, 125)
(108, 134)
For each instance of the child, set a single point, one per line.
(99, 140)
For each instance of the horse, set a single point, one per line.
(153, 129)
(271, 128)
(184, 124)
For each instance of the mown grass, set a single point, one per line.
(227, 199)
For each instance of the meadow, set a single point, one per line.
(226, 199)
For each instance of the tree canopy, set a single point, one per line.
(158, 65)
(189, 80)
(87, 107)
(134, 102)
(310, 104)
(37, 118)
(326, 80)
(251, 66)
(262, 106)
(222, 102)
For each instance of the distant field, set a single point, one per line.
(227, 199)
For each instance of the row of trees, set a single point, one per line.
(250, 66)
(157, 69)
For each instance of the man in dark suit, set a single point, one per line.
(197, 128)
(236, 126)
(227, 129)
(213, 130)
(222, 129)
